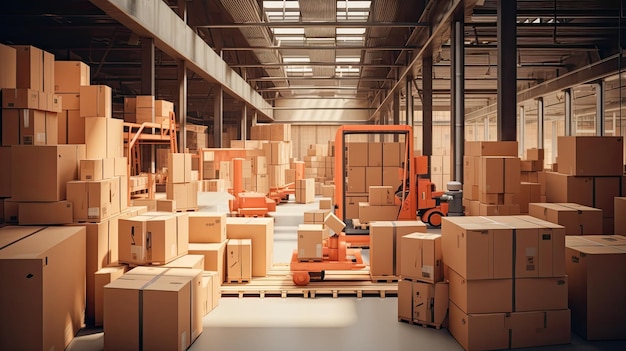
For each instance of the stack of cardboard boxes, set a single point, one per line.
(312, 235)
(593, 265)
(69, 77)
(196, 137)
(305, 191)
(207, 237)
(591, 173)
(260, 231)
(144, 108)
(491, 179)
(367, 167)
(277, 150)
(380, 207)
(386, 246)
(508, 286)
(422, 293)
(440, 171)
(180, 187)
(531, 189)
(318, 163)
(259, 177)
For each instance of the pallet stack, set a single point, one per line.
(591, 173)
(422, 291)
(507, 280)
(491, 179)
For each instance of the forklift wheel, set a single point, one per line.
(301, 278)
(434, 218)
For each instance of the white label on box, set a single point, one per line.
(427, 271)
(318, 250)
(136, 252)
(93, 212)
(40, 137)
(26, 120)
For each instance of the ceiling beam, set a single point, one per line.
(321, 47)
(590, 13)
(308, 24)
(368, 79)
(314, 64)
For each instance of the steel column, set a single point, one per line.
(540, 121)
(182, 105)
(427, 106)
(600, 107)
(182, 9)
(522, 130)
(218, 117)
(507, 70)
(457, 97)
(244, 122)
(147, 66)
(567, 95)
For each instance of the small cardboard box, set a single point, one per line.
(326, 203)
(381, 195)
(315, 216)
(149, 239)
(310, 241)
(207, 227)
(422, 302)
(94, 200)
(357, 154)
(97, 169)
(214, 257)
(333, 222)
(369, 213)
(239, 260)
(481, 296)
(483, 331)
(421, 257)
(95, 101)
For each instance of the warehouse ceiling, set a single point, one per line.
(325, 48)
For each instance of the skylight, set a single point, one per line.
(350, 31)
(285, 4)
(348, 59)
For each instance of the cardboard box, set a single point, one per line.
(44, 176)
(8, 57)
(103, 277)
(310, 240)
(328, 190)
(276, 152)
(280, 132)
(185, 194)
(593, 271)
(29, 64)
(43, 280)
(258, 164)
(95, 101)
(392, 176)
(210, 279)
(315, 216)
(481, 296)
(75, 128)
(393, 154)
(104, 137)
(94, 200)
(421, 257)
(385, 245)
(5, 171)
(178, 168)
(529, 193)
(619, 211)
(97, 169)
(214, 257)
(357, 155)
(534, 154)
(147, 239)
(369, 213)
(45, 213)
(492, 175)
(485, 331)
(70, 101)
(48, 72)
(373, 177)
(305, 191)
(422, 302)
(165, 205)
(261, 232)
(207, 227)
(239, 260)
(28, 127)
(188, 262)
(491, 148)
(577, 219)
(70, 76)
(578, 155)
(540, 328)
(381, 195)
(540, 294)
(163, 108)
(20, 98)
(333, 222)
(352, 206)
(375, 154)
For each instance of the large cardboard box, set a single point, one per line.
(577, 219)
(207, 227)
(149, 240)
(103, 277)
(333, 222)
(96, 101)
(45, 213)
(484, 331)
(357, 154)
(94, 200)
(104, 137)
(29, 64)
(8, 57)
(19, 99)
(594, 273)
(393, 154)
(261, 232)
(70, 76)
(561, 187)
(28, 127)
(392, 176)
(422, 302)
(43, 280)
(187, 261)
(481, 296)
(381, 195)
(386, 245)
(369, 213)
(310, 241)
(356, 179)
(96, 169)
(45, 174)
(178, 168)
(239, 260)
(539, 328)
(280, 132)
(540, 294)
(421, 257)
(491, 148)
(214, 257)
(375, 154)
(578, 155)
(75, 127)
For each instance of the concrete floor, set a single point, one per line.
(345, 323)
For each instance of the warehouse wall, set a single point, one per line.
(321, 110)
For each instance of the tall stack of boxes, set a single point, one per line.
(196, 137)
(440, 171)
(491, 178)
(591, 173)
(531, 189)
(207, 237)
(259, 177)
(422, 293)
(305, 190)
(180, 187)
(318, 163)
(69, 77)
(507, 280)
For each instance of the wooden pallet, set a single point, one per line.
(421, 323)
(358, 225)
(278, 283)
(238, 281)
(385, 278)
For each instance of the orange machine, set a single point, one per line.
(280, 194)
(417, 196)
(247, 204)
(337, 256)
